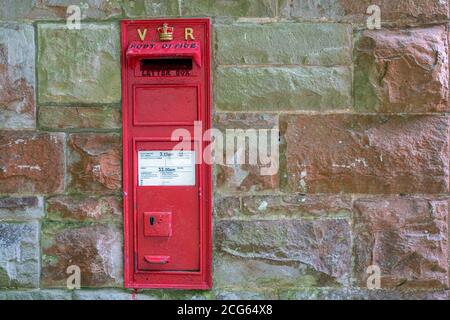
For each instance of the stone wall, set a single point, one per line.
(364, 177)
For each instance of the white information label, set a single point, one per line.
(166, 168)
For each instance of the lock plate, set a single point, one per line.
(157, 224)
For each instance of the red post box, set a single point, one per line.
(167, 190)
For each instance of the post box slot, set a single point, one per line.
(166, 64)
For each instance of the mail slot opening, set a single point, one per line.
(166, 64)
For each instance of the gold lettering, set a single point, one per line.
(142, 34)
(189, 33)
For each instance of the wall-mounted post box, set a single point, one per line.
(167, 192)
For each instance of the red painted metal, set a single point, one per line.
(166, 85)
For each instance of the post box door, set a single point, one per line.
(168, 207)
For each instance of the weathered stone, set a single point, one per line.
(236, 120)
(312, 10)
(21, 208)
(297, 205)
(366, 153)
(226, 206)
(84, 208)
(111, 294)
(229, 8)
(398, 11)
(89, 9)
(95, 249)
(15, 10)
(35, 295)
(294, 205)
(31, 162)
(246, 166)
(406, 238)
(17, 77)
(79, 117)
(359, 294)
(19, 254)
(169, 294)
(57, 9)
(282, 88)
(402, 71)
(95, 162)
(284, 43)
(267, 253)
(79, 65)
(234, 271)
(150, 8)
(245, 295)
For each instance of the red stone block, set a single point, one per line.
(31, 162)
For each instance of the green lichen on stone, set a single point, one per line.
(59, 117)
(282, 88)
(35, 295)
(365, 80)
(79, 65)
(284, 43)
(229, 8)
(150, 8)
(187, 295)
(15, 10)
(312, 10)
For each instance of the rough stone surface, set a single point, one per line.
(284, 43)
(245, 295)
(312, 10)
(84, 208)
(234, 272)
(150, 8)
(79, 65)
(112, 294)
(19, 255)
(398, 11)
(282, 88)
(297, 205)
(229, 8)
(95, 162)
(366, 154)
(79, 117)
(293, 205)
(360, 294)
(35, 295)
(267, 253)
(17, 77)
(236, 170)
(226, 206)
(402, 71)
(169, 294)
(21, 208)
(31, 162)
(96, 249)
(406, 237)
(15, 10)
(57, 9)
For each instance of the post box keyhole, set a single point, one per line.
(152, 221)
